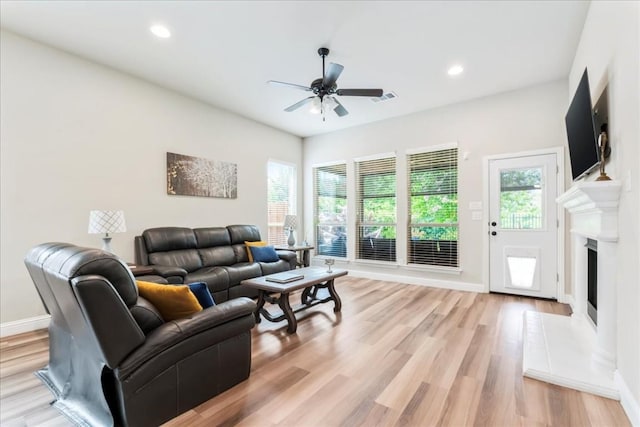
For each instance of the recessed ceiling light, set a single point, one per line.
(455, 70)
(160, 31)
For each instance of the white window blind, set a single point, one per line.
(433, 208)
(330, 207)
(376, 209)
(281, 196)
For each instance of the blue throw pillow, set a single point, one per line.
(264, 254)
(202, 294)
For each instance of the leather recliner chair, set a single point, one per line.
(113, 360)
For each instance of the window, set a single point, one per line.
(281, 196)
(376, 209)
(433, 208)
(330, 208)
(521, 199)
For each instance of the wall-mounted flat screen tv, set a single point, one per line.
(581, 132)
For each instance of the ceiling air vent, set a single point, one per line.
(386, 97)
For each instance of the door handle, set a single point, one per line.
(493, 223)
(493, 233)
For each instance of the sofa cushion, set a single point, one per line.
(189, 259)
(240, 251)
(168, 239)
(239, 272)
(212, 236)
(172, 301)
(202, 294)
(264, 254)
(216, 278)
(220, 255)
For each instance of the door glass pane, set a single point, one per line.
(521, 199)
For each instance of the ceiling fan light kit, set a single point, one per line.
(325, 90)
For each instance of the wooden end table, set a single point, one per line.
(304, 259)
(315, 280)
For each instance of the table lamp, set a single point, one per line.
(106, 222)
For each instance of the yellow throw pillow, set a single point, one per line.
(172, 301)
(248, 244)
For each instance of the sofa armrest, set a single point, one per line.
(169, 271)
(238, 312)
(288, 256)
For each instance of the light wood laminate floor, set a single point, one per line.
(397, 355)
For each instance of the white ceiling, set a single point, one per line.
(224, 52)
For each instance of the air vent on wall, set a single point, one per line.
(386, 97)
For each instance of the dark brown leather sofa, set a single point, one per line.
(113, 360)
(214, 255)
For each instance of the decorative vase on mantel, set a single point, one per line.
(605, 151)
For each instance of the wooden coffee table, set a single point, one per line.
(314, 282)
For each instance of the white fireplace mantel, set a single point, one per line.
(594, 209)
(572, 351)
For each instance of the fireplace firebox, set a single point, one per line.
(592, 279)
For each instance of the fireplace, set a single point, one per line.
(580, 351)
(592, 280)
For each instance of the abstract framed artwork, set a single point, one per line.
(195, 176)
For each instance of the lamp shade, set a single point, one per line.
(290, 221)
(106, 222)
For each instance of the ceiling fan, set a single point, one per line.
(325, 90)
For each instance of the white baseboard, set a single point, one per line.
(24, 325)
(421, 281)
(629, 404)
(567, 299)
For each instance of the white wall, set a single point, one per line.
(610, 49)
(77, 136)
(527, 119)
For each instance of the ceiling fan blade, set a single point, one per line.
(340, 110)
(374, 93)
(291, 85)
(299, 104)
(332, 74)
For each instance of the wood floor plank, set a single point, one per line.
(602, 412)
(403, 386)
(461, 403)
(397, 355)
(304, 408)
(379, 416)
(425, 406)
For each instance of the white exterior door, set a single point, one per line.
(523, 227)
